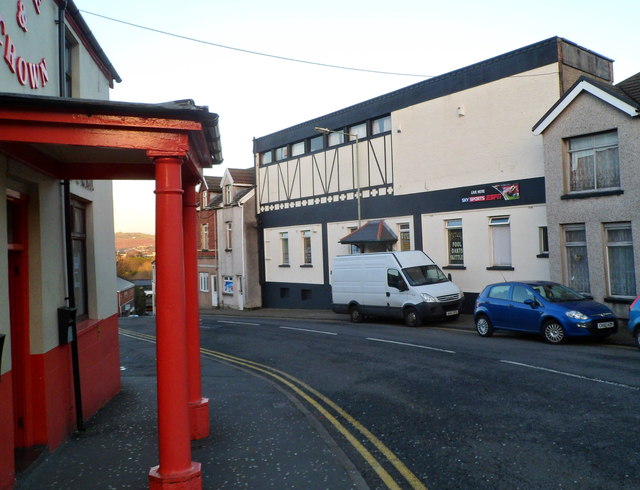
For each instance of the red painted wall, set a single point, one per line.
(51, 414)
(7, 471)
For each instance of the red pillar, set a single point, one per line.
(198, 406)
(176, 470)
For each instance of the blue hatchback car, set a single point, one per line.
(634, 320)
(543, 307)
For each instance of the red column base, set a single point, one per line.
(199, 417)
(190, 479)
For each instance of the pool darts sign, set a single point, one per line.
(499, 192)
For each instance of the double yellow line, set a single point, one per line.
(316, 400)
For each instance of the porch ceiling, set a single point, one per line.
(88, 139)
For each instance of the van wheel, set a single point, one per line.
(356, 315)
(412, 318)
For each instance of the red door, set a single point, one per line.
(19, 313)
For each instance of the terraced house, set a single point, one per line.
(448, 165)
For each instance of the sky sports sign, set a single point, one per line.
(500, 192)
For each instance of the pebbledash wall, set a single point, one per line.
(36, 389)
(450, 164)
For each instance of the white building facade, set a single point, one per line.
(450, 164)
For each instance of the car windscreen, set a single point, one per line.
(424, 274)
(557, 293)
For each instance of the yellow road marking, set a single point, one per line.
(281, 375)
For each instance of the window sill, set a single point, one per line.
(619, 300)
(455, 267)
(284, 265)
(500, 268)
(544, 255)
(307, 265)
(586, 195)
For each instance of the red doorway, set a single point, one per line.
(18, 280)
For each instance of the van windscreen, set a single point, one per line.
(424, 274)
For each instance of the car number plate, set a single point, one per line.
(451, 312)
(605, 325)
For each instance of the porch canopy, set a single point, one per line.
(171, 143)
(374, 235)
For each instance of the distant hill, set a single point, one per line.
(130, 241)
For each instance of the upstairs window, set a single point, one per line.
(297, 148)
(359, 130)
(594, 162)
(282, 153)
(381, 125)
(335, 139)
(316, 143)
(266, 157)
(204, 237)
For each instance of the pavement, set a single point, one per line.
(261, 438)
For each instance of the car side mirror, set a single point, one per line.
(531, 302)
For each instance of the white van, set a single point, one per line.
(405, 285)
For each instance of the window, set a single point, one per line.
(228, 193)
(335, 138)
(205, 199)
(405, 236)
(577, 265)
(316, 143)
(521, 293)
(359, 130)
(79, 248)
(204, 282)
(393, 278)
(454, 241)
(594, 162)
(228, 235)
(228, 285)
(204, 237)
(621, 266)
(381, 125)
(499, 292)
(284, 247)
(266, 157)
(500, 241)
(68, 74)
(306, 246)
(282, 153)
(297, 148)
(543, 236)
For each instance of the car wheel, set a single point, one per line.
(356, 315)
(483, 326)
(553, 332)
(412, 318)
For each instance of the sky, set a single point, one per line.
(256, 95)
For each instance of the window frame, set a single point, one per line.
(495, 223)
(204, 236)
(574, 153)
(228, 236)
(285, 256)
(307, 255)
(204, 282)
(610, 247)
(567, 246)
(79, 211)
(454, 225)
